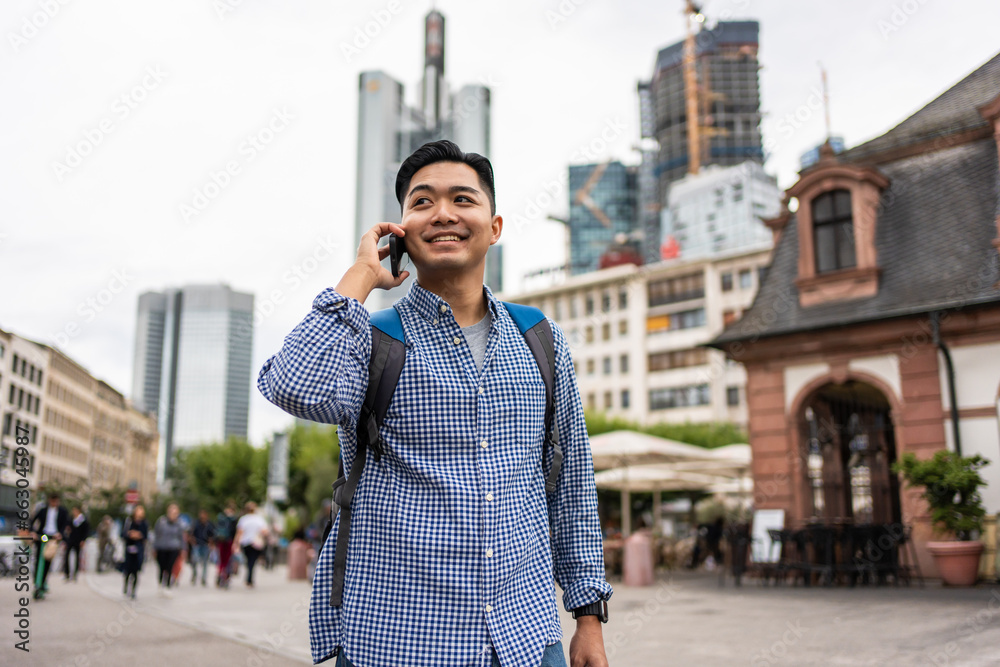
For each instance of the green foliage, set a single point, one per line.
(708, 435)
(314, 451)
(206, 476)
(951, 488)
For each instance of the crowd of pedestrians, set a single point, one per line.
(221, 546)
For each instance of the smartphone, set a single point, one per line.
(397, 246)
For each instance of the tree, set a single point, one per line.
(710, 435)
(314, 452)
(209, 475)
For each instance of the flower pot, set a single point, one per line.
(957, 562)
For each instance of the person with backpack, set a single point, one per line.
(469, 481)
(225, 531)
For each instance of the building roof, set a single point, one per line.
(954, 111)
(934, 233)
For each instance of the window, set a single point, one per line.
(732, 396)
(608, 402)
(623, 328)
(606, 302)
(727, 281)
(623, 364)
(557, 309)
(761, 274)
(588, 334)
(833, 231)
(572, 307)
(606, 331)
(685, 319)
(625, 398)
(746, 279)
(623, 299)
(664, 361)
(678, 397)
(589, 310)
(590, 366)
(591, 401)
(672, 290)
(606, 364)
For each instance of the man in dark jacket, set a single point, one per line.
(76, 534)
(49, 523)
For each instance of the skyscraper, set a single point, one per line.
(192, 364)
(729, 106)
(602, 212)
(389, 130)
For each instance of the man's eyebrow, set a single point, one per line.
(424, 187)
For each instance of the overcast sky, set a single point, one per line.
(152, 144)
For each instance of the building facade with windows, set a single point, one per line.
(721, 209)
(728, 71)
(877, 329)
(638, 335)
(81, 431)
(603, 205)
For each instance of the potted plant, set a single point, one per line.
(951, 488)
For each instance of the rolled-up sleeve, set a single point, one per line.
(321, 371)
(578, 549)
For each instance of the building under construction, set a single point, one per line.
(727, 99)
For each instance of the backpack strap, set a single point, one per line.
(388, 355)
(534, 326)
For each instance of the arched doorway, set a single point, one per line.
(848, 447)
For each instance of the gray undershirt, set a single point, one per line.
(476, 337)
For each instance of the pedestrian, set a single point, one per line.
(251, 537)
(47, 528)
(76, 534)
(135, 531)
(450, 559)
(105, 549)
(225, 531)
(201, 537)
(168, 541)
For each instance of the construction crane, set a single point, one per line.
(696, 96)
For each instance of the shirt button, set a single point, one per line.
(456, 340)
(489, 553)
(482, 390)
(444, 308)
(489, 497)
(435, 321)
(484, 444)
(489, 608)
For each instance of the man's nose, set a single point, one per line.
(444, 214)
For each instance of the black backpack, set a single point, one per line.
(388, 356)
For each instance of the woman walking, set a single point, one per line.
(251, 537)
(168, 540)
(134, 533)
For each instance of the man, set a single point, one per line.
(50, 522)
(201, 537)
(105, 548)
(450, 560)
(76, 534)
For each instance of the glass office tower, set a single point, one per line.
(192, 365)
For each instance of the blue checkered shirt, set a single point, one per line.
(450, 555)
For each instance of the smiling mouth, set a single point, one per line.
(447, 237)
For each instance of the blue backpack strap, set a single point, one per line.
(533, 325)
(388, 356)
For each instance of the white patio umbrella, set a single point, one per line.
(625, 448)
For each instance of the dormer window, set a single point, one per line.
(833, 231)
(836, 219)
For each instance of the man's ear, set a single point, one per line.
(497, 229)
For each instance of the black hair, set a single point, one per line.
(444, 151)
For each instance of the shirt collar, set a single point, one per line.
(430, 306)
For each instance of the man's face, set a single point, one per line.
(446, 215)
(54, 502)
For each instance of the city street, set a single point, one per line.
(686, 619)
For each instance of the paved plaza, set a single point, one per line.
(686, 619)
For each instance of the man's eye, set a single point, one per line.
(420, 200)
(460, 197)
